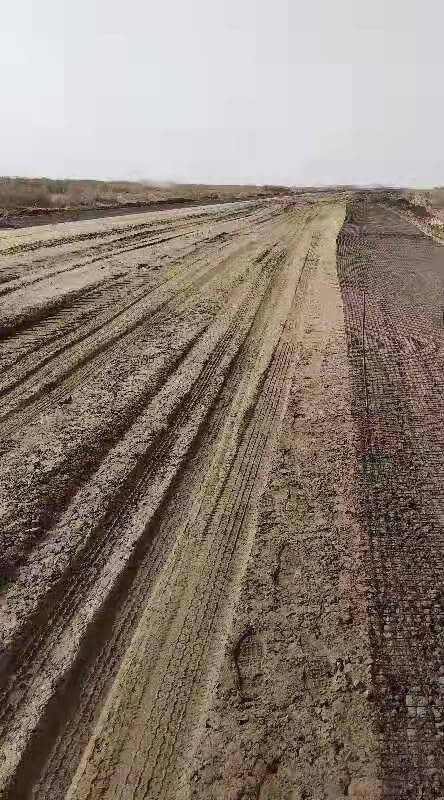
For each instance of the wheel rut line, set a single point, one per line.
(11, 328)
(80, 370)
(146, 230)
(206, 326)
(126, 420)
(57, 241)
(289, 349)
(201, 277)
(106, 256)
(247, 483)
(240, 490)
(6, 391)
(133, 607)
(204, 243)
(189, 219)
(193, 404)
(134, 603)
(246, 486)
(46, 332)
(190, 393)
(238, 513)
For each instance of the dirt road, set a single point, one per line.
(192, 596)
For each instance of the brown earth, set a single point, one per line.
(216, 434)
(392, 279)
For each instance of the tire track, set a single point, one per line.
(150, 564)
(28, 397)
(138, 576)
(132, 281)
(79, 458)
(227, 518)
(194, 222)
(139, 480)
(46, 275)
(126, 326)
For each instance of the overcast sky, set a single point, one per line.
(221, 91)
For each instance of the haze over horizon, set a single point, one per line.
(343, 93)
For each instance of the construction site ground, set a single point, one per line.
(222, 552)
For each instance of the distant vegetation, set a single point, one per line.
(437, 197)
(427, 206)
(45, 193)
(429, 198)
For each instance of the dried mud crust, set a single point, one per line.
(139, 423)
(293, 714)
(392, 280)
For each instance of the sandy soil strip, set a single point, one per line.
(292, 715)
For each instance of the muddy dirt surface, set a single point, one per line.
(221, 502)
(392, 279)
